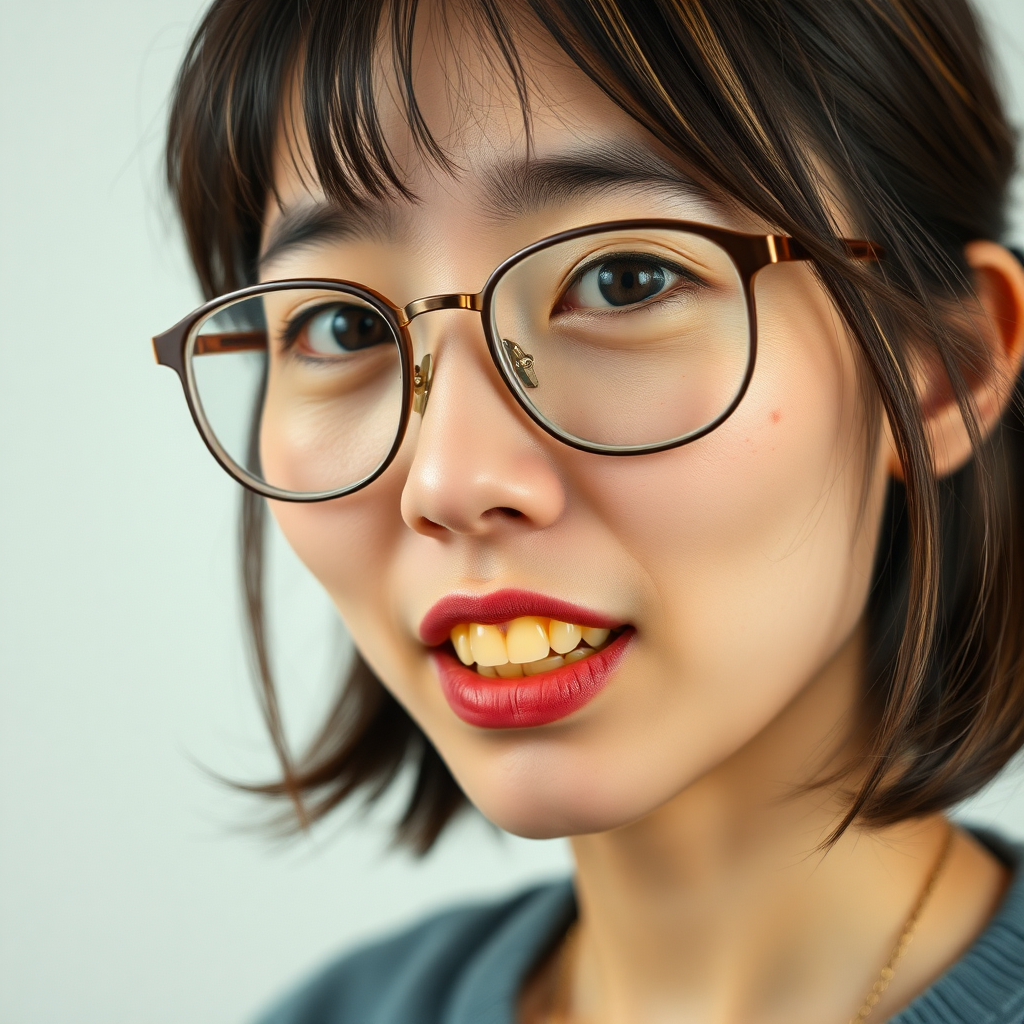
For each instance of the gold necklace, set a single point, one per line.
(886, 974)
(558, 1013)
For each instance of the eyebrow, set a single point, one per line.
(512, 189)
(313, 224)
(517, 188)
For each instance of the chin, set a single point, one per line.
(537, 802)
(529, 821)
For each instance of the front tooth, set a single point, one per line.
(544, 665)
(595, 637)
(487, 645)
(486, 670)
(578, 655)
(509, 671)
(564, 636)
(460, 641)
(527, 639)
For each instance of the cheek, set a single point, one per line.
(347, 545)
(363, 554)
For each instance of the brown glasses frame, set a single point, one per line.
(750, 253)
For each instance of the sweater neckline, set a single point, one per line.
(984, 986)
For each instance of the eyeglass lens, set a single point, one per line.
(635, 338)
(301, 388)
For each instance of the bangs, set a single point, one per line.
(350, 58)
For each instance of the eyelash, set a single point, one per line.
(293, 327)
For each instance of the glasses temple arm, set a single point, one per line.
(785, 249)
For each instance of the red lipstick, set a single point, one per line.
(503, 606)
(532, 700)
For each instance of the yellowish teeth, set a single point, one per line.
(487, 645)
(595, 637)
(526, 646)
(544, 665)
(460, 641)
(564, 636)
(527, 639)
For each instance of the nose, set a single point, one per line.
(480, 466)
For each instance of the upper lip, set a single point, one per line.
(503, 606)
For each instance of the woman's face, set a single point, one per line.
(740, 562)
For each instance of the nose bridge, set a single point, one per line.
(423, 372)
(451, 300)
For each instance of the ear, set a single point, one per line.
(996, 313)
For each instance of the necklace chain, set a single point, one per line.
(886, 974)
(559, 1009)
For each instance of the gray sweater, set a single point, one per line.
(466, 966)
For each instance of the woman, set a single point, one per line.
(642, 391)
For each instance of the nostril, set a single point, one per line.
(429, 527)
(512, 513)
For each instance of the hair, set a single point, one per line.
(766, 101)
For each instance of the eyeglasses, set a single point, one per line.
(618, 338)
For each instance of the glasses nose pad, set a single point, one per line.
(522, 362)
(422, 378)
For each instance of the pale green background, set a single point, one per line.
(130, 892)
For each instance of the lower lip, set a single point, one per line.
(532, 700)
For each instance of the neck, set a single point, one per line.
(721, 905)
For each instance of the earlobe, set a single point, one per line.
(996, 314)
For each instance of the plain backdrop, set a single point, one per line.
(133, 888)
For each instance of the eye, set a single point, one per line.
(616, 282)
(338, 328)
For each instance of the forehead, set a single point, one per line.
(504, 149)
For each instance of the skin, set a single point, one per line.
(743, 561)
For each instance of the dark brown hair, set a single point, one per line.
(764, 101)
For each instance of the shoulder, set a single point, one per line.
(464, 964)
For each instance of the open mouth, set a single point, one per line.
(526, 646)
(514, 659)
